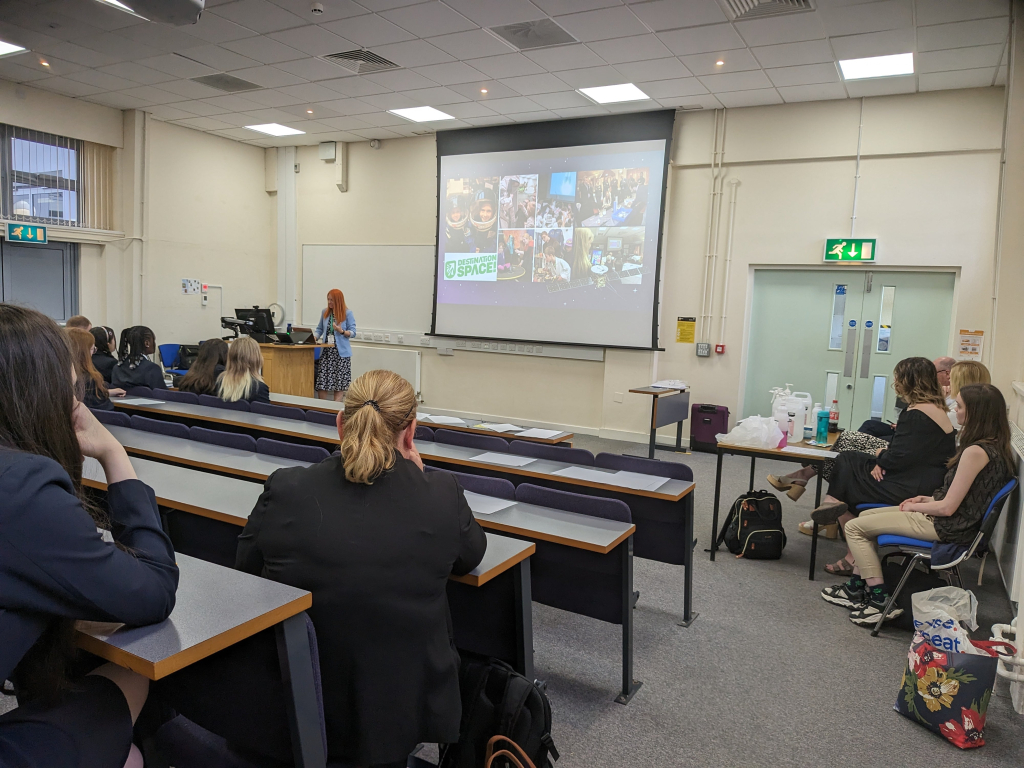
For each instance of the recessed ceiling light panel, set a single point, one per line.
(613, 94)
(421, 114)
(6, 49)
(121, 7)
(878, 66)
(274, 129)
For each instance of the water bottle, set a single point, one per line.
(811, 422)
(821, 437)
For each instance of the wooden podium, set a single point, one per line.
(288, 368)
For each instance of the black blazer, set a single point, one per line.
(145, 374)
(104, 363)
(92, 398)
(377, 560)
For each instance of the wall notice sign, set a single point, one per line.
(972, 344)
(26, 233)
(849, 250)
(686, 330)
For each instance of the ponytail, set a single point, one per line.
(132, 349)
(378, 406)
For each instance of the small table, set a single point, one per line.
(668, 406)
(816, 460)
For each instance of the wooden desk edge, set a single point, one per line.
(480, 579)
(181, 506)
(210, 646)
(565, 541)
(659, 393)
(566, 436)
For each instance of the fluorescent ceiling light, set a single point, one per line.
(421, 114)
(9, 48)
(274, 129)
(612, 94)
(878, 66)
(121, 7)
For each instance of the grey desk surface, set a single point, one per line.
(309, 403)
(673, 490)
(216, 607)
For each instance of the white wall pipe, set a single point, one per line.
(733, 184)
(716, 169)
(856, 175)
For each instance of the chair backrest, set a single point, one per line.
(470, 440)
(281, 411)
(311, 453)
(140, 391)
(226, 439)
(595, 506)
(643, 466)
(322, 417)
(424, 433)
(552, 452)
(180, 397)
(169, 355)
(169, 428)
(988, 522)
(486, 486)
(112, 418)
(215, 402)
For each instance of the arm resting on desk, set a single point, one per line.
(472, 539)
(248, 556)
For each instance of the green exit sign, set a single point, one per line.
(848, 249)
(26, 233)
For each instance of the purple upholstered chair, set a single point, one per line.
(552, 452)
(112, 418)
(470, 440)
(140, 391)
(225, 439)
(643, 466)
(281, 411)
(595, 506)
(311, 453)
(424, 433)
(191, 398)
(169, 428)
(215, 402)
(322, 417)
(486, 486)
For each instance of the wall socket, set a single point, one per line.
(617, 397)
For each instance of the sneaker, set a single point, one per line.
(852, 594)
(874, 603)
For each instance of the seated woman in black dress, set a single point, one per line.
(242, 378)
(912, 465)
(953, 514)
(134, 368)
(106, 345)
(93, 390)
(374, 538)
(201, 378)
(55, 566)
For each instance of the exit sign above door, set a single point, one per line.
(850, 250)
(26, 233)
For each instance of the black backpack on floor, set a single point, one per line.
(497, 700)
(753, 528)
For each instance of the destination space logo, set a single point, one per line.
(471, 266)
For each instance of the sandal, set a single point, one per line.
(841, 567)
(793, 489)
(828, 531)
(829, 513)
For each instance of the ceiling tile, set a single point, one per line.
(333, 9)
(26, 38)
(658, 69)
(870, 17)
(376, 133)
(794, 54)
(272, 98)
(258, 15)
(98, 16)
(558, 7)
(67, 87)
(312, 126)
(488, 120)
(735, 81)
(233, 133)
(964, 78)
(310, 111)
(509, 65)
(189, 90)
(672, 14)
(974, 57)
(944, 11)
(488, 13)
(436, 96)
(221, 59)
(874, 44)
(513, 104)
(344, 123)
(756, 98)
(451, 73)
(692, 102)
(137, 73)
(792, 28)
(400, 80)
(312, 69)
(469, 109)
(495, 90)
(41, 20)
(313, 40)
(383, 119)
(711, 39)
(368, 31)
(101, 80)
(350, 106)
(271, 116)
(663, 89)
(564, 57)
(152, 94)
(818, 92)
(378, 6)
(413, 53)
(232, 103)
(471, 45)
(118, 101)
(76, 54)
(268, 77)
(961, 34)
(265, 50)
(160, 37)
(166, 112)
(571, 112)
(115, 46)
(739, 60)
(428, 19)
(215, 29)
(533, 117)
(55, 67)
(202, 123)
(238, 118)
(626, 49)
(178, 66)
(10, 70)
(881, 86)
(561, 100)
(528, 85)
(308, 92)
(199, 108)
(354, 86)
(805, 74)
(602, 24)
(591, 77)
(392, 101)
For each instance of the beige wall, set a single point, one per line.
(29, 107)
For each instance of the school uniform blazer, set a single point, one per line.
(55, 564)
(377, 559)
(104, 362)
(145, 374)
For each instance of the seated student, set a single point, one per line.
(960, 375)
(133, 368)
(103, 358)
(201, 378)
(93, 390)
(55, 566)
(953, 514)
(912, 464)
(78, 321)
(374, 538)
(242, 378)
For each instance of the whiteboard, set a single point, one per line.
(386, 286)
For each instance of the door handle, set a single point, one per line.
(865, 355)
(851, 351)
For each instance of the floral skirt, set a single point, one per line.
(333, 372)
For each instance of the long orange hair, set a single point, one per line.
(336, 299)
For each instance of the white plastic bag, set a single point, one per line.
(754, 432)
(937, 616)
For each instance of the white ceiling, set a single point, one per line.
(667, 47)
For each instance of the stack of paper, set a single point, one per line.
(448, 420)
(637, 481)
(809, 451)
(500, 427)
(505, 459)
(670, 384)
(422, 416)
(142, 401)
(582, 473)
(542, 434)
(486, 505)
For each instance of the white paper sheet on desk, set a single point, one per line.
(670, 384)
(142, 401)
(422, 416)
(809, 451)
(500, 427)
(454, 421)
(637, 481)
(505, 459)
(582, 473)
(486, 505)
(542, 434)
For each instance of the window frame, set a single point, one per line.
(8, 133)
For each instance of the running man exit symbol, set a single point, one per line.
(26, 233)
(849, 250)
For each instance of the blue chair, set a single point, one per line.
(212, 401)
(169, 354)
(424, 433)
(190, 398)
(470, 440)
(551, 452)
(225, 439)
(920, 550)
(643, 466)
(314, 454)
(140, 391)
(169, 428)
(280, 411)
(112, 418)
(322, 417)
(485, 486)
